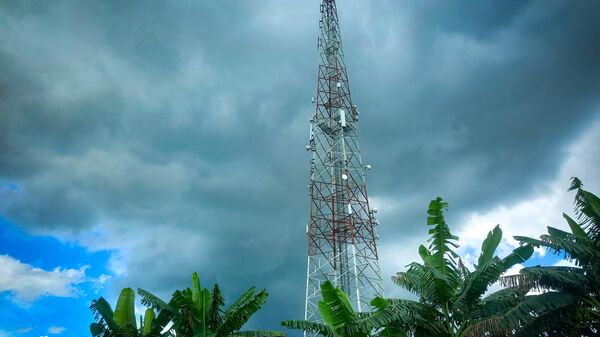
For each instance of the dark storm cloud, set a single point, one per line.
(174, 131)
(473, 106)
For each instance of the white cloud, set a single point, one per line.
(27, 283)
(514, 270)
(55, 330)
(24, 330)
(530, 217)
(564, 263)
(20, 331)
(99, 283)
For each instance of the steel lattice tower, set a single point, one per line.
(342, 227)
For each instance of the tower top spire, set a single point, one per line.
(330, 39)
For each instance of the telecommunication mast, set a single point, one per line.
(342, 227)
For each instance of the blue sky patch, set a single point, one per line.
(46, 312)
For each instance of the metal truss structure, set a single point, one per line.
(342, 227)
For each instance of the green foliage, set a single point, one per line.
(450, 302)
(539, 301)
(147, 322)
(308, 326)
(217, 301)
(121, 321)
(340, 319)
(491, 242)
(125, 310)
(450, 295)
(335, 308)
(198, 311)
(568, 303)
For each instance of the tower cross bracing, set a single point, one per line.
(342, 226)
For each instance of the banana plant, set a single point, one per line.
(340, 319)
(121, 321)
(198, 312)
(567, 302)
(451, 302)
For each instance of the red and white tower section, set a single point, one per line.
(342, 227)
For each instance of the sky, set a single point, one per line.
(141, 141)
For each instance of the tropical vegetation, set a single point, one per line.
(121, 321)
(451, 302)
(563, 300)
(453, 295)
(340, 319)
(198, 312)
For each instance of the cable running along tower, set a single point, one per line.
(342, 227)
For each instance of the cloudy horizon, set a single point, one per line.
(143, 141)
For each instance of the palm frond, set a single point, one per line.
(410, 280)
(335, 307)
(382, 318)
(196, 290)
(568, 321)
(485, 274)
(379, 303)
(125, 310)
(182, 300)
(440, 264)
(518, 255)
(464, 272)
(487, 327)
(214, 312)
(314, 327)
(154, 302)
(489, 245)
(548, 278)
(97, 329)
(534, 306)
(443, 285)
(234, 320)
(428, 282)
(103, 313)
(573, 248)
(246, 296)
(575, 184)
(563, 243)
(148, 322)
(587, 209)
(575, 227)
(495, 304)
(415, 315)
(442, 240)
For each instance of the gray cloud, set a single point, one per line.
(174, 132)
